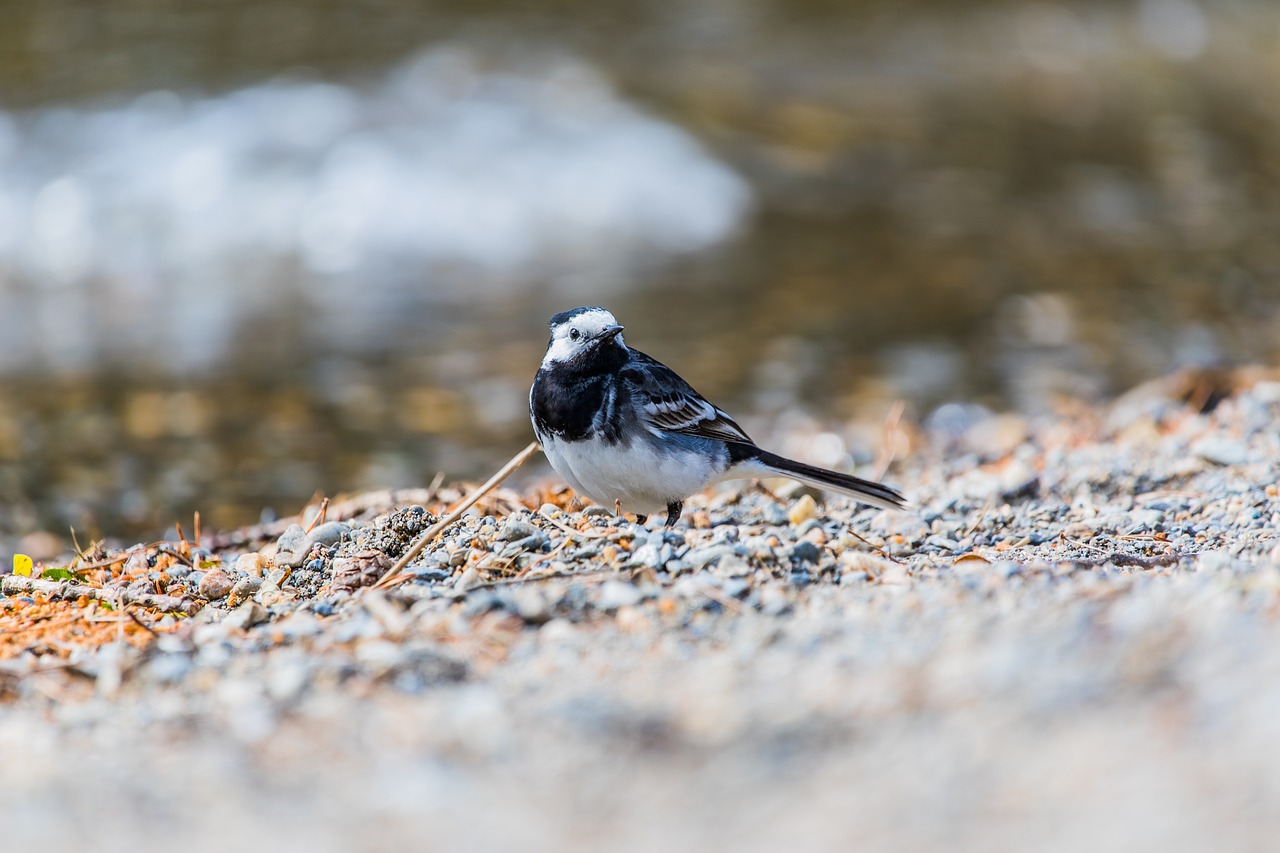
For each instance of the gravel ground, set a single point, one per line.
(1073, 644)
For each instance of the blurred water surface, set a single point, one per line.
(249, 252)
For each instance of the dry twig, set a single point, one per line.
(393, 577)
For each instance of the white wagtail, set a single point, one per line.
(623, 428)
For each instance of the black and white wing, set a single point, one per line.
(667, 402)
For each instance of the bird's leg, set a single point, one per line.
(617, 507)
(673, 512)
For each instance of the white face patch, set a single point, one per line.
(575, 334)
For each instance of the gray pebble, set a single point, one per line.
(805, 552)
(515, 528)
(246, 616)
(1221, 451)
(246, 587)
(701, 558)
(677, 567)
(531, 605)
(648, 555)
(292, 545)
(773, 515)
(616, 594)
(942, 542)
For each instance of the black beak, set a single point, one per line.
(609, 333)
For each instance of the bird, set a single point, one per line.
(621, 427)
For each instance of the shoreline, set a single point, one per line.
(1072, 643)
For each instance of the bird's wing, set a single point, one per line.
(667, 402)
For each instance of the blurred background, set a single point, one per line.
(252, 251)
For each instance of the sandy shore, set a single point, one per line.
(1073, 644)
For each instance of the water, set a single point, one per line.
(323, 261)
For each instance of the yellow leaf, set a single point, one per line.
(22, 565)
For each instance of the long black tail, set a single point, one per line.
(866, 491)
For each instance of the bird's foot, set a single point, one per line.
(673, 512)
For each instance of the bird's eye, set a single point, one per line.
(574, 334)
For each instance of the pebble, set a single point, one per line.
(695, 586)
(285, 682)
(773, 601)
(531, 605)
(616, 594)
(804, 509)
(252, 564)
(705, 557)
(292, 545)
(246, 587)
(215, 584)
(649, 555)
(246, 616)
(328, 534)
(1221, 451)
(467, 580)
(805, 552)
(516, 528)
(299, 624)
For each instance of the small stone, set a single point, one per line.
(772, 514)
(893, 522)
(328, 534)
(252, 564)
(895, 574)
(301, 623)
(380, 656)
(140, 587)
(246, 616)
(467, 580)
(137, 564)
(696, 586)
(633, 620)
(616, 594)
(733, 568)
(215, 584)
(1221, 451)
(246, 587)
(559, 631)
(285, 682)
(803, 510)
(1216, 560)
(360, 569)
(649, 555)
(516, 528)
(531, 605)
(773, 601)
(292, 545)
(707, 556)
(805, 552)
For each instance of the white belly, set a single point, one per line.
(641, 476)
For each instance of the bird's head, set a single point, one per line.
(584, 335)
